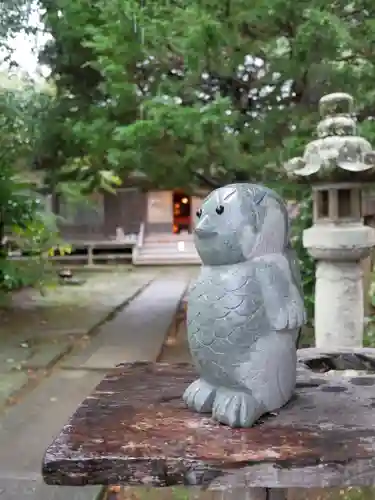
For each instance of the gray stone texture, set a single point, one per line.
(246, 307)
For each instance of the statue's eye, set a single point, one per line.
(220, 209)
(199, 213)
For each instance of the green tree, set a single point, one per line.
(205, 91)
(22, 213)
(215, 91)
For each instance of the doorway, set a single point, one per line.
(181, 212)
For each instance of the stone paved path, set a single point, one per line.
(136, 332)
(36, 331)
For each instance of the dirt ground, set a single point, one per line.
(62, 308)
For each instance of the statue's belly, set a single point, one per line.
(222, 323)
(213, 355)
(209, 360)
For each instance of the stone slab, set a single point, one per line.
(137, 332)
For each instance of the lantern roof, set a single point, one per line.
(338, 154)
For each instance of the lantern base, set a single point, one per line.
(339, 300)
(339, 242)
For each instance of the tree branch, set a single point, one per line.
(207, 180)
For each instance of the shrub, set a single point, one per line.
(302, 221)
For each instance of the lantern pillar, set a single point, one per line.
(337, 164)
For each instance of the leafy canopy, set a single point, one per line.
(210, 91)
(203, 90)
(23, 216)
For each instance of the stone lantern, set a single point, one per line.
(337, 165)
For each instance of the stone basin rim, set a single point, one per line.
(319, 360)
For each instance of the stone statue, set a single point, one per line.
(246, 308)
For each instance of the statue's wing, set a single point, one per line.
(281, 291)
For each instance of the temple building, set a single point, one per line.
(141, 223)
(153, 226)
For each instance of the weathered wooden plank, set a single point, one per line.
(184, 493)
(134, 429)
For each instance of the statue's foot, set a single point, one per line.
(235, 408)
(200, 396)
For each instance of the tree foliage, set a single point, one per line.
(22, 212)
(29, 117)
(208, 90)
(204, 91)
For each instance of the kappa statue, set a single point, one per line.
(246, 308)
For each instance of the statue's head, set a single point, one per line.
(238, 222)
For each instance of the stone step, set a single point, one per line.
(162, 254)
(169, 251)
(173, 246)
(167, 261)
(171, 257)
(168, 243)
(169, 237)
(159, 238)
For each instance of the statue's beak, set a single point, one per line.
(204, 229)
